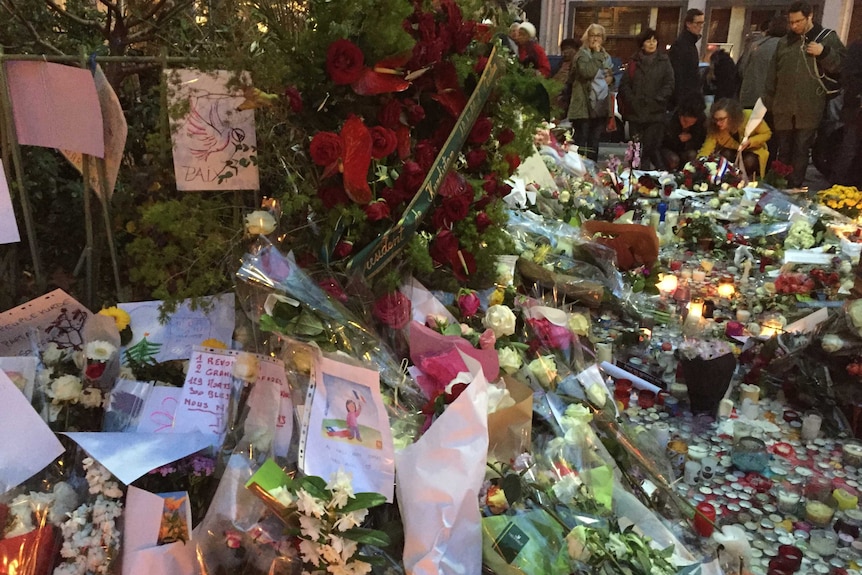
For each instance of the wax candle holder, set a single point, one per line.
(818, 513)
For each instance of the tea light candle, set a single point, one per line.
(818, 513)
(788, 501)
(823, 542)
(852, 454)
(685, 273)
(743, 315)
(845, 499)
(749, 391)
(811, 426)
(698, 275)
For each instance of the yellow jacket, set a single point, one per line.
(757, 141)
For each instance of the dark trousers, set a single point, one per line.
(794, 147)
(650, 135)
(588, 132)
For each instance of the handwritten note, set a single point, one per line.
(203, 403)
(55, 317)
(271, 372)
(8, 224)
(184, 329)
(346, 427)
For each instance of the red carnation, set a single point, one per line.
(506, 136)
(444, 247)
(376, 211)
(325, 148)
(383, 142)
(332, 196)
(343, 249)
(295, 99)
(476, 159)
(393, 309)
(483, 220)
(481, 131)
(344, 62)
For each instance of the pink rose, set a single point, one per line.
(488, 339)
(551, 335)
(468, 303)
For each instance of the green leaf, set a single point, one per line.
(315, 486)
(367, 536)
(372, 560)
(308, 324)
(512, 488)
(365, 500)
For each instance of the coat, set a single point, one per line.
(685, 60)
(851, 81)
(585, 65)
(754, 67)
(673, 129)
(646, 88)
(792, 89)
(758, 140)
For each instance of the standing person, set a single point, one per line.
(725, 136)
(645, 89)
(754, 64)
(685, 132)
(848, 170)
(530, 52)
(569, 47)
(685, 58)
(592, 80)
(795, 90)
(722, 77)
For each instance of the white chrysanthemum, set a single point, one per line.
(100, 350)
(341, 486)
(91, 397)
(66, 388)
(308, 504)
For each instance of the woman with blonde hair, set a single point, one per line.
(726, 136)
(591, 80)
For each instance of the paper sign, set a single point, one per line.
(214, 142)
(160, 407)
(203, 403)
(141, 554)
(55, 106)
(22, 372)
(55, 317)
(8, 224)
(346, 427)
(185, 328)
(115, 131)
(533, 170)
(27, 444)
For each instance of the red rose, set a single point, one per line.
(325, 148)
(391, 196)
(295, 99)
(343, 249)
(481, 131)
(332, 196)
(376, 211)
(411, 178)
(489, 184)
(444, 247)
(476, 159)
(468, 303)
(389, 114)
(440, 220)
(94, 370)
(462, 37)
(453, 185)
(393, 309)
(383, 142)
(415, 112)
(344, 62)
(457, 207)
(514, 160)
(463, 265)
(331, 287)
(483, 220)
(506, 136)
(425, 153)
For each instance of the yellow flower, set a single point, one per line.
(121, 317)
(496, 297)
(214, 343)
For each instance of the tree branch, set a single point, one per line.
(10, 7)
(83, 21)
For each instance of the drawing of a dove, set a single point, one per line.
(208, 132)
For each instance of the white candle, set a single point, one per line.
(698, 275)
(661, 431)
(743, 315)
(692, 472)
(788, 501)
(811, 426)
(725, 408)
(605, 352)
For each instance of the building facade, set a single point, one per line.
(729, 23)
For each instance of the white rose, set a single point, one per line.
(245, 367)
(66, 388)
(99, 350)
(510, 359)
(854, 312)
(831, 343)
(259, 222)
(91, 397)
(51, 354)
(846, 267)
(714, 203)
(579, 323)
(544, 369)
(500, 320)
(565, 196)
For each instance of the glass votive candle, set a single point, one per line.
(811, 426)
(845, 498)
(818, 513)
(685, 273)
(791, 555)
(851, 454)
(646, 398)
(823, 542)
(818, 488)
(698, 275)
(788, 497)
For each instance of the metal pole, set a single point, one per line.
(18, 163)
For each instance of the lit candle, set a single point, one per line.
(788, 501)
(726, 290)
(685, 273)
(667, 284)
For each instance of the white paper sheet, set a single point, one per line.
(203, 403)
(423, 303)
(364, 449)
(55, 316)
(27, 444)
(160, 408)
(185, 328)
(439, 478)
(131, 455)
(8, 224)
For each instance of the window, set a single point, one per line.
(622, 24)
(719, 25)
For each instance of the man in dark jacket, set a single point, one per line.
(795, 89)
(685, 58)
(848, 171)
